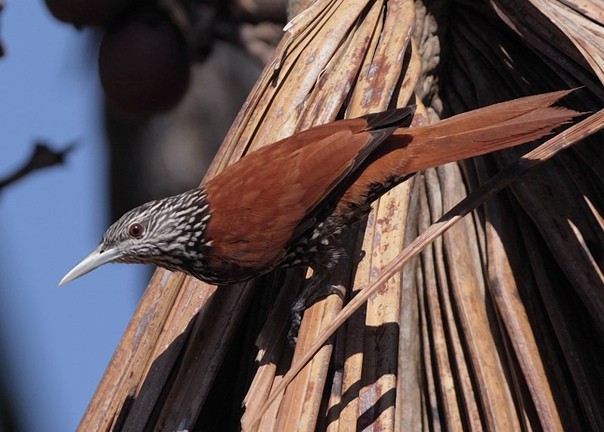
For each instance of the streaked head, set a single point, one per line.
(167, 232)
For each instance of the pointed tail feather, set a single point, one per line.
(480, 131)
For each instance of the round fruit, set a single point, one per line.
(84, 12)
(144, 65)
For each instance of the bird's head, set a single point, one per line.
(167, 232)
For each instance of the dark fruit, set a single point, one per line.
(143, 65)
(84, 12)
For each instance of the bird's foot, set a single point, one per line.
(307, 298)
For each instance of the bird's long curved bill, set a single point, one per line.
(95, 259)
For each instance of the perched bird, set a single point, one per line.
(289, 202)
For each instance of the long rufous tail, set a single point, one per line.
(481, 131)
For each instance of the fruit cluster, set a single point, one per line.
(143, 58)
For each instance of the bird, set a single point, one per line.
(289, 203)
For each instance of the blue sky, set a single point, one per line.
(55, 341)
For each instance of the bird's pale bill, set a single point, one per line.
(95, 259)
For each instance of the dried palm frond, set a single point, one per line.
(497, 325)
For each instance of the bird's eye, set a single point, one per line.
(136, 230)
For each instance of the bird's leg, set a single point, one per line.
(315, 290)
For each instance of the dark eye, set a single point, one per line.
(136, 230)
